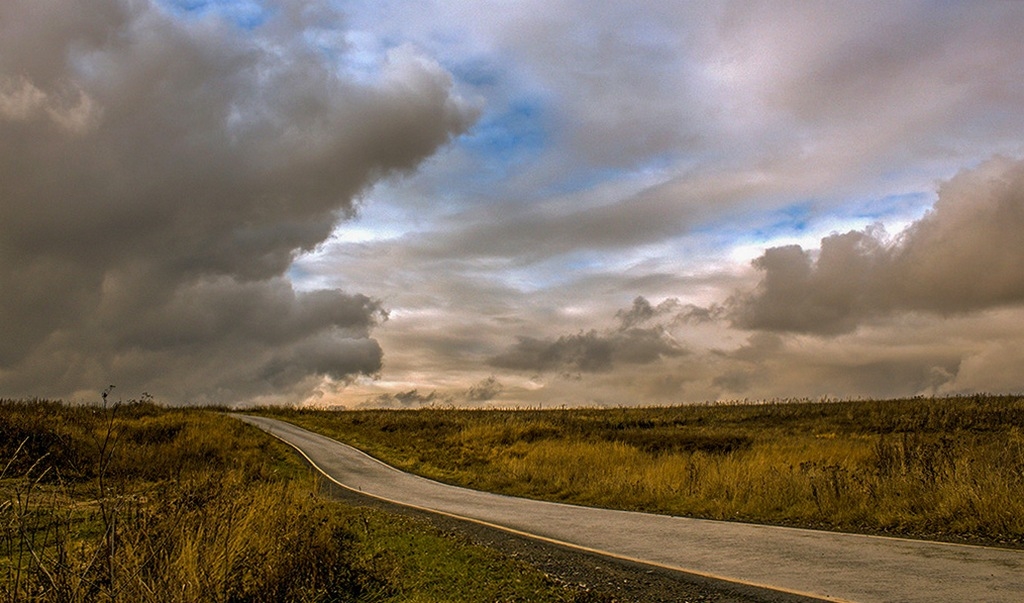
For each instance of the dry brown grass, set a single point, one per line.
(938, 468)
(136, 503)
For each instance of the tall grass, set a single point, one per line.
(138, 503)
(940, 468)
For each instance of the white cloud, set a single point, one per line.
(641, 149)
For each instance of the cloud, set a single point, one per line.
(485, 390)
(591, 351)
(403, 400)
(160, 175)
(20, 100)
(965, 255)
(642, 311)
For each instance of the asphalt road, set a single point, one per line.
(825, 565)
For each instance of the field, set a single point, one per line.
(136, 502)
(139, 503)
(949, 468)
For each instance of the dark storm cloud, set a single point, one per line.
(158, 177)
(965, 255)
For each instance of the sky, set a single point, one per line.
(510, 204)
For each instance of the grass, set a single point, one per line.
(948, 468)
(139, 503)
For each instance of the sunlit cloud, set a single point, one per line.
(495, 204)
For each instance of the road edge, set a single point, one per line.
(781, 595)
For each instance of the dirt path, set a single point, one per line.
(825, 565)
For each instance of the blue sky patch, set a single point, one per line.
(247, 14)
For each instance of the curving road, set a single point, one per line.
(824, 565)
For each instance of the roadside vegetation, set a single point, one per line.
(947, 468)
(139, 503)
